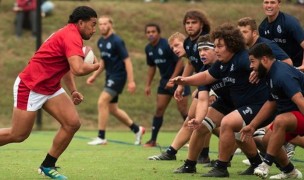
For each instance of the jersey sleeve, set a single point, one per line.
(73, 45)
(279, 53)
(121, 48)
(295, 29)
(149, 60)
(214, 70)
(290, 85)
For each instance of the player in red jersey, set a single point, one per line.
(38, 86)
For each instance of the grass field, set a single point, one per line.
(119, 159)
(130, 17)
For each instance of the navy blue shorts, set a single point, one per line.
(223, 107)
(114, 86)
(247, 112)
(250, 111)
(170, 91)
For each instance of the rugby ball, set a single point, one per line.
(88, 55)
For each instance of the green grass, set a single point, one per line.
(129, 16)
(119, 159)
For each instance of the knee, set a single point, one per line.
(72, 126)
(20, 137)
(101, 103)
(159, 111)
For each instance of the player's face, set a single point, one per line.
(105, 26)
(177, 47)
(152, 34)
(257, 66)
(271, 7)
(193, 27)
(207, 55)
(87, 28)
(247, 34)
(222, 53)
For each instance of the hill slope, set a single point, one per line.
(129, 19)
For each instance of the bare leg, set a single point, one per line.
(120, 114)
(103, 110)
(184, 134)
(22, 124)
(63, 110)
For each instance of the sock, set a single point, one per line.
(171, 150)
(221, 164)
(134, 127)
(287, 169)
(49, 161)
(269, 159)
(102, 134)
(190, 163)
(255, 161)
(205, 152)
(157, 123)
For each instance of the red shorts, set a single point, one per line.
(299, 129)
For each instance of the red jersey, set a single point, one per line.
(49, 64)
(27, 5)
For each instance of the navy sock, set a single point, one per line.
(171, 150)
(102, 134)
(190, 163)
(288, 168)
(269, 159)
(157, 123)
(255, 161)
(49, 161)
(221, 164)
(205, 152)
(134, 127)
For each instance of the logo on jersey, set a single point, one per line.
(160, 52)
(267, 32)
(109, 45)
(187, 47)
(279, 29)
(150, 53)
(110, 83)
(232, 67)
(248, 110)
(195, 47)
(221, 67)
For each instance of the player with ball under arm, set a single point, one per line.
(38, 86)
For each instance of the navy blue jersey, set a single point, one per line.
(190, 47)
(288, 33)
(113, 52)
(284, 85)
(163, 57)
(235, 74)
(279, 53)
(218, 88)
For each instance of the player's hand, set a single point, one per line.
(77, 97)
(246, 132)
(301, 68)
(178, 93)
(131, 87)
(194, 124)
(253, 78)
(180, 80)
(148, 90)
(90, 80)
(212, 99)
(169, 85)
